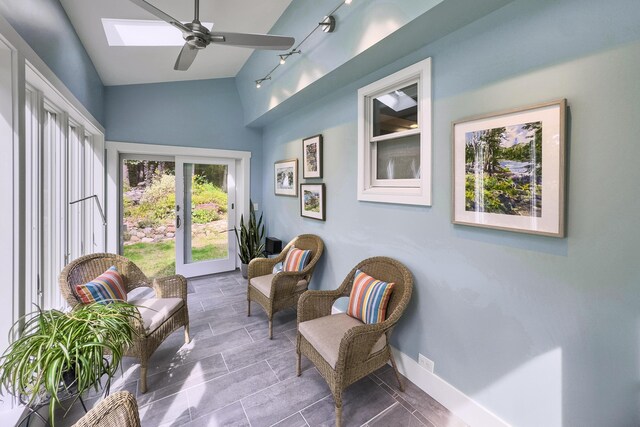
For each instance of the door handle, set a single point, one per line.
(177, 221)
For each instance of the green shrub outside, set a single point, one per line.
(157, 204)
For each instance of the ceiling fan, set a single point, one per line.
(197, 36)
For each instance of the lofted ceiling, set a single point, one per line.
(130, 65)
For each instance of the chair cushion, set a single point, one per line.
(296, 259)
(325, 335)
(369, 298)
(107, 287)
(155, 311)
(264, 283)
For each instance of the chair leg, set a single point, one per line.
(395, 369)
(338, 399)
(143, 378)
(248, 308)
(270, 329)
(298, 363)
(187, 337)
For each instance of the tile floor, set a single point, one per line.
(231, 374)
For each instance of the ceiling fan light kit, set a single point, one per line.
(327, 24)
(198, 37)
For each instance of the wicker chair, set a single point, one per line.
(159, 316)
(345, 349)
(275, 292)
(118, 410)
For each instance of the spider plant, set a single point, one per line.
(60, 353)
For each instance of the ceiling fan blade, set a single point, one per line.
(186, 57)
(253, 41)
(160, 14)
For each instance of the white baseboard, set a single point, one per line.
(464, 407)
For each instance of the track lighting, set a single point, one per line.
(285, 56)
(327, 24)
(259, 82)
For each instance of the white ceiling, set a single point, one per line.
(130, 65)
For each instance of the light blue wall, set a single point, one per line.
(201, 113)
(358, 26)
(542, 331)
(45, 26)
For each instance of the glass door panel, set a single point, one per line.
(205, 205)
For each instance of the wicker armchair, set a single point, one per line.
(275, 292)
(159, 316)
(118, 410)
(345, 349)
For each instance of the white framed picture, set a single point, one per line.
(509, 170)
(286, 177)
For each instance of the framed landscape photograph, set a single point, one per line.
(286, 177)
(312, 157)
(312, 201)
(509, 170)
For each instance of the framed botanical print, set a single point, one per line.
(509, 170)
(312, 201)
(286, 177)
(312, 157)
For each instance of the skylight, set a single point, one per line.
(397, 100)
(138, 32)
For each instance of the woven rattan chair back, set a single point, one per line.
(307, 242)
(117, 410)
(391, 271)
(87, 268)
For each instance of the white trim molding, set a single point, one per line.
(115, 149)
(463, 406)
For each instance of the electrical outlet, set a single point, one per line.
(255, 206)
(425, 362)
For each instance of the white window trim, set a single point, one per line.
(116, 149)
(28, 70)
(408, 191)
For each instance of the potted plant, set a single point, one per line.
(250, 240)
(60, 354)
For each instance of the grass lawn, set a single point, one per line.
(158, 259)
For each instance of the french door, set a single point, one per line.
(205, 215)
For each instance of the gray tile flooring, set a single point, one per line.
(231, 374)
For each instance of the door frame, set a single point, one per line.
(115, 149)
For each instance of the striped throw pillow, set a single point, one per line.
(105, 288)
(369, 298)
(296, 259)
